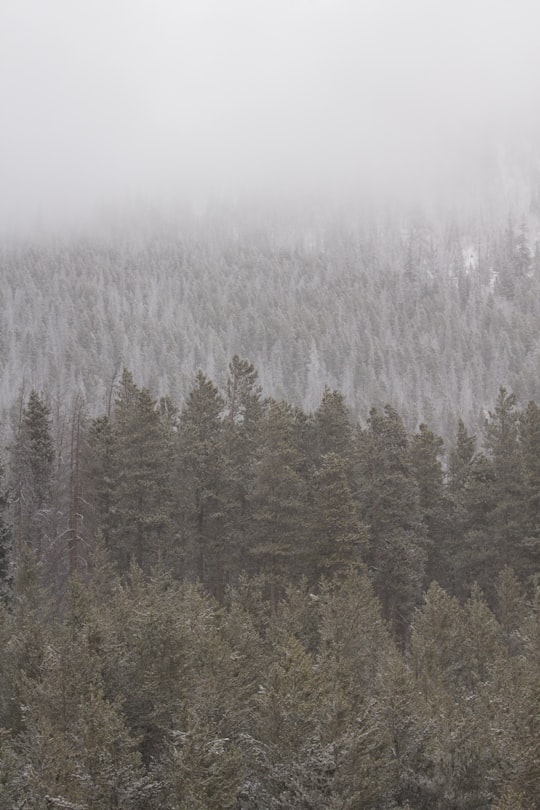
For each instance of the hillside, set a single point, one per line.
(431, 319)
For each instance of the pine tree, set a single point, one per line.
(141, 478)
(281, 521)
(424, 451)
(32, 458)
(6, 578)
(390, 506)
(452, 649)
(528, 560)
(101, 475)
(460, 461)
(332, 426)
(354, 651)
(201, 480)
(243, 411)
(340, 537)
(477, 558)
(73, 749)
(502, 442)
(128, 468)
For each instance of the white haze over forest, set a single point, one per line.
(113, 103)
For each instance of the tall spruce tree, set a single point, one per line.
(281, 519)
(141, 489)
(390, 506)
(340, 538)
(200, 482)
(508, 519)
(101, 477)
(32, 460)
(424, 452)
(527, 561)
(332, 426)
(243, 411)
(6, 579)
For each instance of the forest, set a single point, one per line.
(428, 310)
(233, 602)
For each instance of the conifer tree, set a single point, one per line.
(424, 451)
(141, 494)
(476, 558)
(281, 519)
(32, 458)
(243, 411)
(508, 524)
(527, 563)
(461, 457)
(332, 426)
(6, 578)
(390, 506)
(201, 480)
(101, 477)
(339, 535)
(73, 749)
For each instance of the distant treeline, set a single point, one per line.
(428, 315)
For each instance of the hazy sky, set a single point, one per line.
(111, 101)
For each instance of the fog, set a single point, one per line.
(110, 103)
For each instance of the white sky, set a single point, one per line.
(111, 101)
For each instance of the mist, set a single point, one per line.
(106, 105)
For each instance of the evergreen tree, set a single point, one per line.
(332, 427)
(133, 477)
(6, 579)
(354, 651)
(424, 451)
(101, 475)
(461, 457)
(502, 442)
(340, 537)
(390, 507)
(243, 412)
(281, 518)
(452, 650)
(527, 562)
(201, 481)
(477, 558)
(73, 749)
(32, 458)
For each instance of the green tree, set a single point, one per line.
(101, 481)
(477, 558)
(339, 535)
(32, 458)
(281, 518)
(6, 577)
(390, 506)
(453, 649)
(73, 749)
(243, 411)
(200, 481)
(332, 427)
(527, 562)
(141, 497)
(502, 443)
(424, 451)
(201, 770)
(354, 651)
(459, 468)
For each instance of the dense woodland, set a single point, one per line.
(429, 312)
(231, 602)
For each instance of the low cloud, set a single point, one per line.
(109, 103)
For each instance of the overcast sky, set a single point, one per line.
(113, 101)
